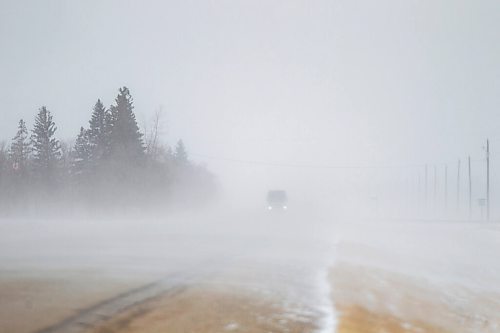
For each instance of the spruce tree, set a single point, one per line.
(125, 137)
(20, 149)
(46, 148)
(99, 132)
(180, 154)
(81, 153)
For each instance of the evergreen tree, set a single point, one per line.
(46, 148)
(125, 137)
(99, 132)
(180, 154)
(82, 153)
(20, 149)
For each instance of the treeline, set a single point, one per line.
(111, 165)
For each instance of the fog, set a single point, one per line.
(323, 84)
(372, 116)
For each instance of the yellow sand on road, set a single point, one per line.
(372, 300)
(367, 300)
(204, 309)
(356, 319)
(32, 301)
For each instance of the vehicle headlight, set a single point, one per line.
(285, 207)
(270, 207)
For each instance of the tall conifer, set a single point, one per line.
(125, 138)
(46, 148)
(20, 149)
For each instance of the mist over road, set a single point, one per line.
(274, 256)
(310, 273)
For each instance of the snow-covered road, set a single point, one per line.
(287, 257)
(268, 255)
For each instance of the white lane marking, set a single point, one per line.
(329, 321)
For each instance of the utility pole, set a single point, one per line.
(435, 187)
(487, 179)
(425, 186)
(470, 191)
(458, 186)
(419, 190)
(446, 186)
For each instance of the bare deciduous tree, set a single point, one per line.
(152, 135)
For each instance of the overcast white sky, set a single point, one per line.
(335, 82)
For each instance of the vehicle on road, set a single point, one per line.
(277, 200)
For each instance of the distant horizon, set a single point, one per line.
(318, 83)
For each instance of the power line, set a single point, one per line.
(488, 179)
(310, 166)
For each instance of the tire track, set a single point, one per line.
(100, 312)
